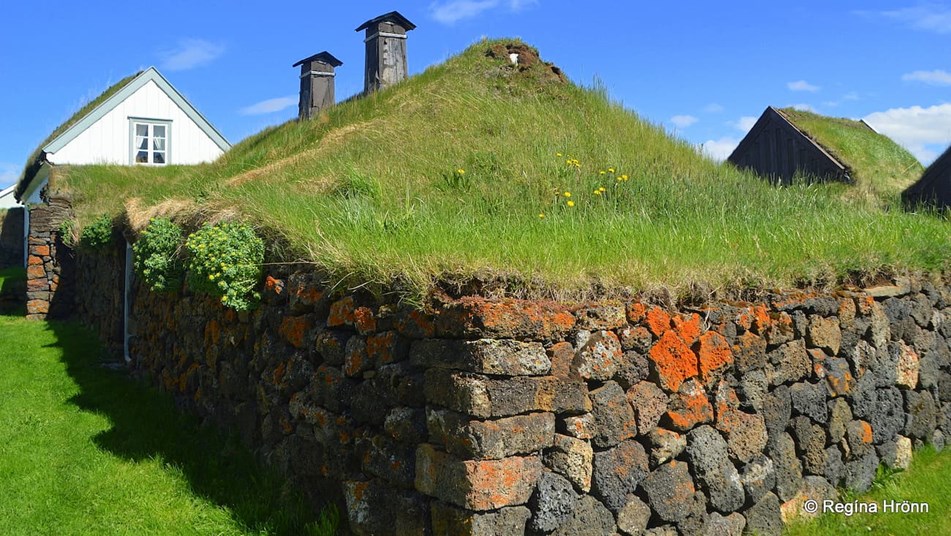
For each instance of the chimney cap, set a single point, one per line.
(322, 57)
(392, 16)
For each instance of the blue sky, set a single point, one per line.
(704, 70)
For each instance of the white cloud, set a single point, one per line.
(270, 106)
(927, 17)
(802, 85)
(719, 149)
(923, 131)
(744, 124)
(190, 53)
(455, 10)
(713, 108)
(683, 121)
(850, 96)
(9, 173)
(934, 78)
(803, 107)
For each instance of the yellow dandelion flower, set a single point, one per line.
(567, 194)
(571, 203)
(619, 179)
(611, 169)
(541, 215)
(597, 192)
(461, 171)
(601, 188)
(211, 277)
(559, 154)
(602, 172)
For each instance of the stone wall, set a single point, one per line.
(11, 237)
(99, 294)
(512, 417)
(50, 281)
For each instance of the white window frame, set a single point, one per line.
(151, 124)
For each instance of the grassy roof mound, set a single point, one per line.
(482, 168)
(35, 160)
(878, 165)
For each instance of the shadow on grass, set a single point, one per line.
(146, 425)
(13, 291)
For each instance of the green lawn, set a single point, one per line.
(928, 480)
(84, 450)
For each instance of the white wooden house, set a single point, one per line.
(7, 198)
(141, 120)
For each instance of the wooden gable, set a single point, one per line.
(934, 186)
(775, 148)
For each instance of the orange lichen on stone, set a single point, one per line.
(341, 312)
(364, 320)
(864, 305)
(688, 327)
(381, 347)
(690, 407)
(35, 271)
(715, 354)
(542, 320)
(866, 432)
(658, 321)
(273, 285)
(636, 311)
(308, 295)
(294, 329)
(416, 324)
(34, 260)
(728, 413)
(674, 361)
(212, 332)
(42, 251)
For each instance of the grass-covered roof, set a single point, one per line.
(879, 166)
(35, 161)
(481, 168)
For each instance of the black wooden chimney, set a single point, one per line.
(386, 50)
(316, 84)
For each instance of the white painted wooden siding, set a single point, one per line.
(107, 141)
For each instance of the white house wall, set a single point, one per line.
(107, 141)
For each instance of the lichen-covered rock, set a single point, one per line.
(665, 445)
(637, 339)
(859, 437)
(782, 450)
(485, 397)
(599, 357)
(790, 363)
(689, 407)
(715, 357)
(669, 488)
(601, 316)
(752, 390)
(838, 376)
(617, 472)
(749, 352)
(447, 520)
(731, 525)
(673, 361)
(633, 518)
(758, 478)
(476, 485)
(708, 454)
(825, 333)
(485, 356)
(614, 419)
(589, 517)
(764, 517)
(649, 403)
(906, 373)
(552, 503)
(839, 416)
(573, 459)
(493, 439)
(578, 426)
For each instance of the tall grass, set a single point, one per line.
(373, 190)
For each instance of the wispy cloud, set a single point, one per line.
(455, 10)
(744, 124)
(713, 108)
(923, 131)
(270, 106)
(8, 174)
(933, 78)
(683, 121)
(803, 107)
(719, 149)
(190, 53)
(802, 85)
(927, 17)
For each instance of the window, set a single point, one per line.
(150, 142)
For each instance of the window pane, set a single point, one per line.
(158, 158)
(141, 143)
(158, 131)
(141, 130)
(158, 144)
(142, 157)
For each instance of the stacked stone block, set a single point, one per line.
(49, 272)
(528, 417)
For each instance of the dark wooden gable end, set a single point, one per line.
(934, 186)
(775, 148)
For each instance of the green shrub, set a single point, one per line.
(67, 232)
(98, 234)
(225, 260)
(156, 255)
